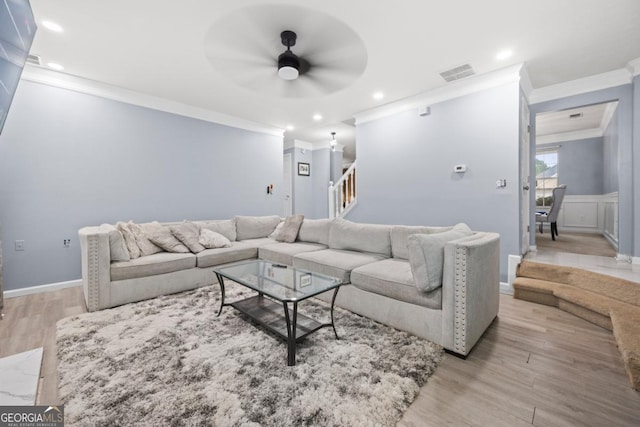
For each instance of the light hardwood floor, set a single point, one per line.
(535, 365)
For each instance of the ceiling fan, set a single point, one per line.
(290, 66)
(246, 47)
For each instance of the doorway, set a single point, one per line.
(578, 147)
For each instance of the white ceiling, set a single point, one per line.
(163, 48)
(588, 121)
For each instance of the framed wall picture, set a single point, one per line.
(304, 169)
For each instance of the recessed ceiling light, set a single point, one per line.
(49, 25)
(290, 127)
(55, 66)
(504, 55)
(317, 117)
(378, 96)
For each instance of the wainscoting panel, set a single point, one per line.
(591, 214)
(580, 214)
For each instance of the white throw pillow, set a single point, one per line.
(211, 240)
(147, 247)
(129, 239)
(426, 255)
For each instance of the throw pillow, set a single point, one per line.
(147, 247)
(211, 240)
(276, 231)
(129, 240)
(289, 231)
(163, 237)
(117, 246)
(426, 255)
(189, 234)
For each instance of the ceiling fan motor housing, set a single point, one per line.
(288, 62)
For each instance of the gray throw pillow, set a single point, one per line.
(289, 231)
(426, 255)
(163, 238)
(117, 246)
(211, 240)
(189, 234)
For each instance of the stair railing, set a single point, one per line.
(342, 194)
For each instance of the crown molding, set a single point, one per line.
(53, 78)
(634, 67)
(608, 115)
(525, 82)
(452, 90)
(580, 86)
(569, 136)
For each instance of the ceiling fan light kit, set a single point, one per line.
(288, 62)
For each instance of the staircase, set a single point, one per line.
(342, 194)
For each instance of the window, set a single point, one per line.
(546, 176)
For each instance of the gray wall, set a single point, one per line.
(636, 161)
(302, 185)
(628, 194)
(68, 160)
(405, 166)
(610, 156)
(321, 175)
(580, 165)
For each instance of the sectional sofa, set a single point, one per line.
(439, 283)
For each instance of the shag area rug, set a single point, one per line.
(170, 362)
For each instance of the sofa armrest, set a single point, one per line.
(470, 289)
(96, 267)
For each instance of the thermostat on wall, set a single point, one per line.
(460, 168)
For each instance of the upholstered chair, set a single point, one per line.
(552, 216)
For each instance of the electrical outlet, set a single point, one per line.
(66, 243)
(19, 245)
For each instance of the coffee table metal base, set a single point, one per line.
(285, 322)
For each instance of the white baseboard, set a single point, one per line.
(635, 260)
(42, 288)
(624, 258)
(506, 288)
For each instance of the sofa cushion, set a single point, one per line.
(117, 247)
(160, 263)
(393, 278)
(211, 240)
(226, 227)
(238, 251)
(400, 234)
(129, 239)
(283, 253)
(334, 262)
(349, 235)
(289, 231)
(253, 227)
(315, 231)
(188, 233)
(426, 255)
(164, 238)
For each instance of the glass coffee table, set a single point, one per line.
(283, 286)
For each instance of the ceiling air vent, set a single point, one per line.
(457, 73)
(33, 59)
(575, 115)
